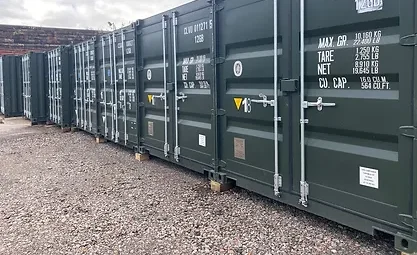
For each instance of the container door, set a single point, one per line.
(88, 88)
(125, 96)
(26, 86)
(109, 113)
(1, 87)
(191, 97)
(85, 86)
(153, 84)
(82, 83)
(251, 136)
(54, 85)
(357, 95)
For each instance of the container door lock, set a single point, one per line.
(319, 104)
(263, 101)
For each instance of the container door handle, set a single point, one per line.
(182, 97)
(161, 97)
(319, 104)
(263, 101)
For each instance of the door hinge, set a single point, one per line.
(408, 131)
(408, 40)
(406, 220)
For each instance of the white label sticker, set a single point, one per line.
(149, 74)
(368, 177)
(364, 6)
(202, 140)
(238, 68)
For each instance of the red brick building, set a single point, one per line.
(21, 39)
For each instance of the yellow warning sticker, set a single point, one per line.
(238, 102)
(150, 98)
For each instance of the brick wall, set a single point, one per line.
(22, 39)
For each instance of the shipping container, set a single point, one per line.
(10, 86)
(60, 93)
(116, 63)
(85, 86)
(331, 130)
(35, 87)
(310, 103)
(177, 86)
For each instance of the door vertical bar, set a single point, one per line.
(53, 86)
(277, 177)
(90, 123)
(80, 70)
(116, 116)
(23, 85)
(84, 88)
(50, 85)
(111, 84)
(164, 28)
(177, 150)
(76, 86)
(124, 88)
(104, 89)
(58, 85)
(303, 183)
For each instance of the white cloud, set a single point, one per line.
(93, 14)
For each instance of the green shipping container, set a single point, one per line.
(35, 87)
(85, 102)
(224, 89)
(60, 92)
(10, 86)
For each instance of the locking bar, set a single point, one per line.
(116, 80)
(163, 96)
(319, 104)
(113, 132)
(106, 129)
(177, 150)
(303, 183)
(124, 85)
(76, 88)
(90, 122)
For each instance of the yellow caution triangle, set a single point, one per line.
(150, 98)
(238, 102)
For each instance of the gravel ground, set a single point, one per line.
(64, 194)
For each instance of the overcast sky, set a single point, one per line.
(94, 14)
